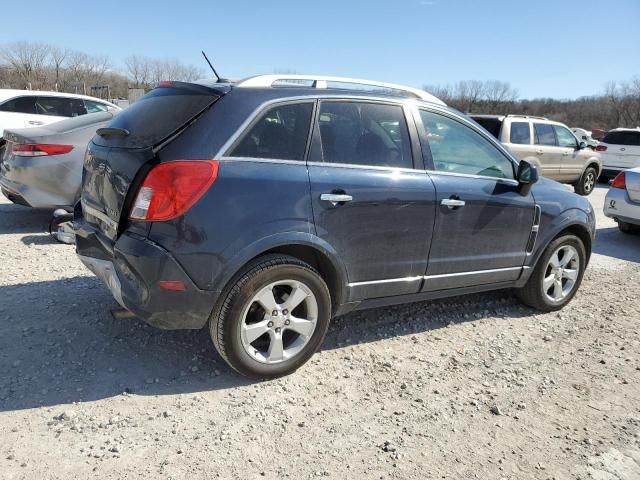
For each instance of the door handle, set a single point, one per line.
(539, 152)
(336, 198)
(452, 203)
(35, 122)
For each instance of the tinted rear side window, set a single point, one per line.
(280, 133)
(363, 134)
(60, 106)
(520, 133)
(19, 105)
(633, 138)
(157, 115)
(622, 138)
(544, 134)
(491, 125)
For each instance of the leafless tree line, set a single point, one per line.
(617, 106)
(40, 66)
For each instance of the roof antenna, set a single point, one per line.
(219, 79)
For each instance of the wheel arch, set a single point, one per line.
(305, 247)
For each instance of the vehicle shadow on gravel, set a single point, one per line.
(611, 242)
(19, 219)
(59, 343)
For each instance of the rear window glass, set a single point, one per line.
(520, 133)
(157, 115)
(491, 125)
(544, 134)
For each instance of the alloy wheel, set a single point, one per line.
(279, 321)
(589, 182)
(561, 273)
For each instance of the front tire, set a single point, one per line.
(272, 318)
(587, 182)
(557, 275)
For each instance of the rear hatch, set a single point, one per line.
(620, 149)
(490, 124)
(119, 156)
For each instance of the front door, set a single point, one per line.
(371, 202)
(483, 223)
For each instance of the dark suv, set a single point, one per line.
(265, 207)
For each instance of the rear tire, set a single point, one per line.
(627, 227)
(252, 327)
(550, 288)
(587, 182)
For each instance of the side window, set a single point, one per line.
(612, 138)
(632, 138)
(565, 137)
(520, 133)
(19, 105)
(457, 148)
(95, 107)
(55, 106)
(544, 134)
(280, 133)
(362, 133)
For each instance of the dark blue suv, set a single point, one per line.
(264, 208)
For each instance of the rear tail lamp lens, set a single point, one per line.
(620, 181)
(601, 148)
(171, 188)
(39, 149)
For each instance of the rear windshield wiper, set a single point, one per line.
(112, 132)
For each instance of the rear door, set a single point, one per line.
(120, 156)
(372, 200)
(16, 112)
(547, 150)
(483, 223)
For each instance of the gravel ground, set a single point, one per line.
(471, 387)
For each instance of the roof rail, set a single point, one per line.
(527, 116)
(319, 81)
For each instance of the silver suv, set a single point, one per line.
(550, 145)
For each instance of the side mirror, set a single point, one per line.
(582, 145)
(527, 176)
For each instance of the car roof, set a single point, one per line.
(637, 129)
(8, 93)
(320, 85)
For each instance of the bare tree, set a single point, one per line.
(58, 56)
(28, 61)
(138, 70)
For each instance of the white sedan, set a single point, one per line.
(622, 203)
(30, 108)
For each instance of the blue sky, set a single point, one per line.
(554, 48)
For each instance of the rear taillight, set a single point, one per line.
(171, 188)
(39, 149)
(601, 148)
(619, 181)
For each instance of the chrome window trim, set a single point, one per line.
(431, 277)
(366, 167)
(299, 99)
(469, 175)
(261, 160)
